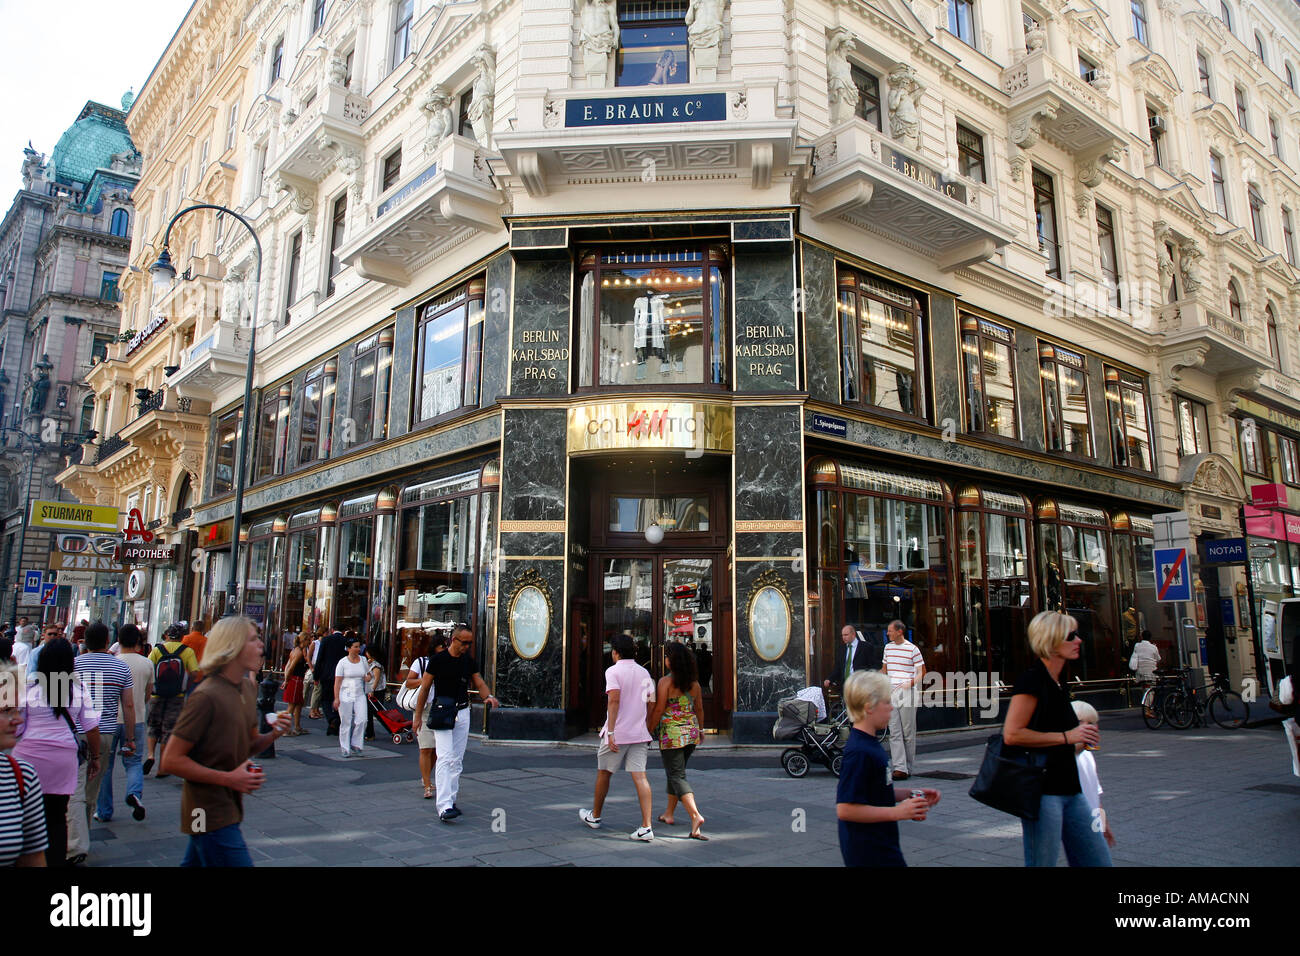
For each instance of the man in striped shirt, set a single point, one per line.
(108, 681)
(905, 667)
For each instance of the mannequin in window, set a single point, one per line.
(647, 330)
(905, 397)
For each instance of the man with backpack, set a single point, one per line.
(175, 667)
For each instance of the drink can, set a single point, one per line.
(919, 793)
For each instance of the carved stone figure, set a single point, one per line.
(704, 35)
(841, 89)
(598, 20)
(33, 166)
(441, 121)
(905, 90)
(1190, 256)
(338, 69)
(1035, 38)
(482, 94)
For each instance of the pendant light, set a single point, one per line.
(654, 534)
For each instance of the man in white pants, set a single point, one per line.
(450, 673)
(905, 667)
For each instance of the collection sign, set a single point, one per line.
(638, 110)
(620, 426)
(70, 516)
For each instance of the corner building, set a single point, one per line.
(736, 325)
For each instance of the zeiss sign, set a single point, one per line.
(633, 110)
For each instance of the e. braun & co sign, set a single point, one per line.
(617, 426)
(637, 110)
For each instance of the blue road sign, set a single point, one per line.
(1225, 551)
(49, 594)
(1173, 574)
(32, 581)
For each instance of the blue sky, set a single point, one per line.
(54, 58)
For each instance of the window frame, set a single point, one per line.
(1260, 445)
(390, 173)
(1049, 195)
(1203, 73)
(278, 399)
(234, 416)
(293, 273)
(1288, 459)
(1243, 108)
(920, 349)
(325, 376)
(1255, 202)
(338, 231)
(1235, 311)
(1049, 351)
(1218, 185)
(375, 343)
(1270, 332)
(403, 17)
(1105, 237)
(1288, 235)
(461, 295)
(956, 19)
(968, 157)
(232, 125)
(1225, 15)
(1138, 20)
(120, 223)
(1193, 406)
(277, 60)
(1126, 381)
(1260, 49)
(317, 16)
(868, 102)
(980, 324)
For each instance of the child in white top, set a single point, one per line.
(1088, 780)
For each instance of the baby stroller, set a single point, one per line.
(797, 720)
(392, 717)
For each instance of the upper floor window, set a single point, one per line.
(883, 343)
(961, 20)
(653, 315)
(1259, 48)
(392, 170)
(1156, 129)
(203, 156)
(1288, 235)
(277, 59)
(1138, 9)
(1065, 400)
(317, 14)
(108, 287)
(652, 43)
(1203, 72)
(273, 432)
(1130, 419)
(970, 153)
(449, 346)
(1234, 303)
(316, 421)
(372, 376)
(1256, 213)
(121, 222)
(1287, 459)
(337, 225)
(988, 356)
(223, 463)
(1270, 327)
(1045, 213)
(232, 125)
(1216, 181)
(1290, 76)
(1273, 137)
(1087, 69)
(1243, 113)
(402, 13)
(1250, 440)
(295, 271)
(1172, 255)
(464, 126)
(868, 85)
(1225, 15)
(1107, 252)
(1193, 426)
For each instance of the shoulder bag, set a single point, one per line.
(1011, 778)
(442, 713)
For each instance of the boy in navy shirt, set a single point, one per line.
(867, 804)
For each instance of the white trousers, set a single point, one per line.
(902, 737)
(451, 757)
(352, 724)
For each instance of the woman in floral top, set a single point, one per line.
(679, 705)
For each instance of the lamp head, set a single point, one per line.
(163, 272)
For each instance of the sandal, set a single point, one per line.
(661, 819)
(697, 835)
(428, 793)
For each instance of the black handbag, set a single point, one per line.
(82, 747)
(442, 714)
(1011, 779)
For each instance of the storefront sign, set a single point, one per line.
(638, 110)
(766, 351)
(145, 334)
(1271, 415)
(1268, 496)
(830, 426)
(769, 616)
(530, 615)
(87, 561)
(403, 194)
(1226, 551)
(69, 516)
(1228, 611)
(146, 554)
(621, 426)
(539, 353)
(137, 585)
(927, 177)
(76, 578)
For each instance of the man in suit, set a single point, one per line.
(331, 652)
(855, 654)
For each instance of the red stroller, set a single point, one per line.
(392, 717)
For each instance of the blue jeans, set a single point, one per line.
(1067, 820)
(134, 771)
(224, 847)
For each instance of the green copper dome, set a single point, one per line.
(89, 143)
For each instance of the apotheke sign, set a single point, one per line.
(146, 554)
(638, 110)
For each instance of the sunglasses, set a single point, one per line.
(1074, 636)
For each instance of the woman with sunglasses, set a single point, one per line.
(1041, 716)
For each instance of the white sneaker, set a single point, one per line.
(644, 834)
(586, 817)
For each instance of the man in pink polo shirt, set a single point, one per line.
(624, 739)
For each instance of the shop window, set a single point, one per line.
(993, 552)
(633, 515)
(309, 586)
(264, 557)
(970, 153)
(1139, 611)
(1193, 426)
(662, 316)
(437, 557)
(883, 343)
(1251, 442)
(1045, 215)
(868, 85)
(1108, 255)
(652, 43)
(223, 467)
(362, 598)
(1130, 419)
(988, 355)
(1075, 574)
(372, 374)
(316, 421)
(273, 433)
(449, 346)
(1287, 459)
(961, 21)
(1065, 400)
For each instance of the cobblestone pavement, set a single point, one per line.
(1191, 798)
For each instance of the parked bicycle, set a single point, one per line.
(1185, 706)
(1155, 695)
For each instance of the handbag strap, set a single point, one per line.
(71, 726)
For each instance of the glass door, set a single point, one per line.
(687, 616)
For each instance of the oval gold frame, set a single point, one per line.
(546, 630)
(789, 620)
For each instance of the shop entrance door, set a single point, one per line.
(658, 599)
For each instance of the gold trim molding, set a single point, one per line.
(532, 527)
(755, 527)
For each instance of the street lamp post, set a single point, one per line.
(164, 274)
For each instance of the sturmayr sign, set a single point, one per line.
(634, 110)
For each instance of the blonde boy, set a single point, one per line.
(1088, 780)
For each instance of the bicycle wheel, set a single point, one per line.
(1153, 714)
(1229, 711)
(1179, 709)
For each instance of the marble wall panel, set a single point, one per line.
(1101, 435)
(537, 682)
(519, 543)
(945, 352)
(760, 544)
(761, 683)
(769, 473)
(1029, 391)
(343, 400)
(399, 401)
(540, 330)
(496, 329)
(821, 330)
(533, 464)
(767, 351)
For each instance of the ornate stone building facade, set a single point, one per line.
(734, 322)
(63, 250)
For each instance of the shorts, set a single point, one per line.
(163, 712)
(424, 736)
(629, 757)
